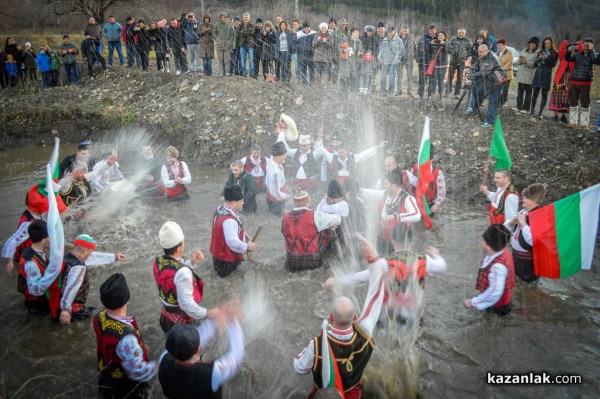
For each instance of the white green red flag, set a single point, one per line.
(54, 168)
(424, 175)
(564, 234)
(330, 374)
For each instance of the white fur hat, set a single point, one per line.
(304, 139)
(170, 235)
(291, 132)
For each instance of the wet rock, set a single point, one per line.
(482, 149)
(196, 87)
(54, 131)
(227, 119)
(219, 94)
(299, 101)
(339, 115)
(450, 151)
(243, 128)
(475, 134)
(183, 100)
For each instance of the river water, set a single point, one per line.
(553, 327)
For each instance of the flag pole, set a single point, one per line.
(486, 171)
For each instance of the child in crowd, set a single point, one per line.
(45, 66)
(11, 70)
(365, 71)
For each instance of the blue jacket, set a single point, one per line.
(190, 35)
(43, 62)
(290, 42)
(112, 32)
(11, 69)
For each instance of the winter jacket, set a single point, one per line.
(492, 43)
(268, 43)
(29, 59)
(257, 40)
(506, 60)
(303, 45)
(190, 34)
(290, 37)
(156, 40)
(439, 49)
(543, 74)
(410, 48)
(369, 43)
(207, 44)
(223, 35)
(143, 39)
(527, 70)
(89, 48)
(365, 68)
(130, 34)
(584, 65)
(323, 45)
(391, 51)
(489, 70)
(68, 57)
(94, 31)
(459, 49)
(245, 35)
(11, 69)
(43, 62)
(422, 53)
(112, 32)
(175, 38)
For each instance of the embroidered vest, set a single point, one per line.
(497, 214)
(218, 245)
(351, 357)
(179, 380)
(400, 275)
(249, 165)
(25, 217)
(81, 296)
(301, 235)
(483, 282)
(178, 189)
(109, 331)
(386, 228)
(164, 269)
(311, 166)
(78, 193)
(52, 294)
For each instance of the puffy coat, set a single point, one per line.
(43, 62)
(584, 65)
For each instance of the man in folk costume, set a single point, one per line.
(390, 163)
(228, 241)
(40, 297)
(175, 176)
(306, 234)
(37, 207)
(326, 167)
(521, 240)
(182, 371)
(179, 287)
(276, 188)
(349, 336)
(335, 203)
(405, 280)
(496, 278)
(397, 207)
(256, 165)
(75, 186)
(505, 201)
(238, 176)
(436, 190)
(306, 162)
(122, 354)
(74, 277)
(344, 163)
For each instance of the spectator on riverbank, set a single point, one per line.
(113, 31)
(68, 51)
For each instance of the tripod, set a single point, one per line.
(468, 91)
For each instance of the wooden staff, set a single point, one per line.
(249, 253)
(486, 171)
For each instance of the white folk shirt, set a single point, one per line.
(132, 356)
(411, 210)
(511, 204)
(231, 233)
(275, 180)
(256, 171)
(339, 208)
(184, 283)
(164, 174)
(517, 229)
(360, 157)
(496, 278)
(291, 152)
(304, 361)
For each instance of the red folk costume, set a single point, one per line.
(179, 189)
(496, 211)
(559, 97)
(400, 276)
(302, 240)
(255, 170)
(483, 283)
(218, 244)
(51, 298)
(164, 269)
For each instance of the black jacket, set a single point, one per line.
(584, 65)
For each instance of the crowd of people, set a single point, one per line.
(355, 59)
(335, 229)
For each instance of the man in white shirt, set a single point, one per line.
(504, 203)
(276, 189)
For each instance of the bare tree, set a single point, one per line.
(95, 8)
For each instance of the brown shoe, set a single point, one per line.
(571, 126)
(585, 128)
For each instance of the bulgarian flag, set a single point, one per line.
(53, 168)
(330, 373)
(498, 147)
(424, 175)
(564, 234)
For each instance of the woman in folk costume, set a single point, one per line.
(175, 176)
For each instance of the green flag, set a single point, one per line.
(498, 148)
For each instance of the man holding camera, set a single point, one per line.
(487, 76)
(581, 82)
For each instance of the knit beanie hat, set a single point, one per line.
(335, 190)
(301, 197)
(170, 235)
(535, 192)
(38, 230)
(114, 292)
(83, 240)
(141, 21)
(233, 193)
(183, 341)
(323, 25)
